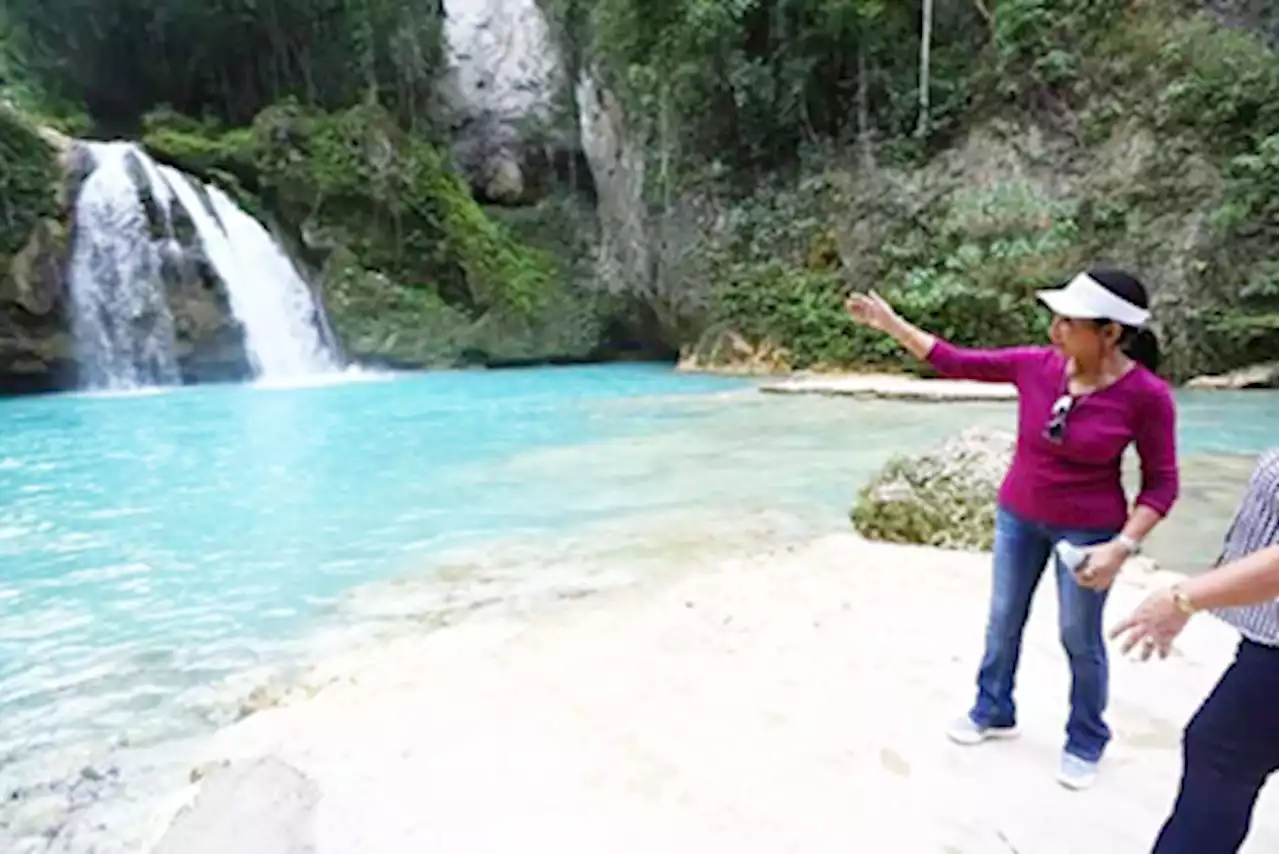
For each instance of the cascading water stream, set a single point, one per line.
(120, 315)
(268, 297)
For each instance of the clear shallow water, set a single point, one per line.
(153, 545)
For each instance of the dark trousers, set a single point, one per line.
(1229, 749)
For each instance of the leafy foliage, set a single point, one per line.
(965, 269)
(1221, 83)
(356, 179)
(744, 86)
(1222, 88)
(227, 59)
(1046, 43)
(1241, 322)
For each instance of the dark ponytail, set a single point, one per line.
(1142, 346)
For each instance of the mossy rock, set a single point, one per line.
(201, 148)
(380, 319)
(29, 178)
(944, 497)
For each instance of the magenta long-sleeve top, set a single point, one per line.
(1075, 483)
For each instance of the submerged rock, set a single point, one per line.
(944, 497)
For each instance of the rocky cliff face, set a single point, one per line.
(35, 342)
(502, 83)
(36, 352)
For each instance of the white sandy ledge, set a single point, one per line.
(892, 386)
(794, 701)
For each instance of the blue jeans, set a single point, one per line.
(1228, 752)
(1022, 549)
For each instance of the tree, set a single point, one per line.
(926, 38)
(225, 59)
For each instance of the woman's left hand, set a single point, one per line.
(1154, 623)
(1102, 566)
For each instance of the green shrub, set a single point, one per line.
(1221, 84)
(967, 271)
(1046, 42)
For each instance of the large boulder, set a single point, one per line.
(944, 497)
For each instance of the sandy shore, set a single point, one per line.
(891, 386)
(791, 701)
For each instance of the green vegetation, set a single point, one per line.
(323, 119)
(801, 125)
(790, 154)
(964, 267)
(28, 175)
(226, 59)
(1227, 91)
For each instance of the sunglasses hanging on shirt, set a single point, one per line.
(1056, 428)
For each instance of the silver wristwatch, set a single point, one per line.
(1131, 545)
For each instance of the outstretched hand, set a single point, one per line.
(870, 309)
(1154, 624)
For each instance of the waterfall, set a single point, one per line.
(268, 297)
(126, 260)
(120, 315)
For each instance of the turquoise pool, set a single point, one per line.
(153, 544)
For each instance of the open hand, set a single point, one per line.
(1154, 624)
(870, 309)
(1102, 566)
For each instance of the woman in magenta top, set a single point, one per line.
(1081, 403)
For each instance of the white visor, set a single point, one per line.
(1084, 299)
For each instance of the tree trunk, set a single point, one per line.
(664, 146)
(926, 35)
(866, 156)
(987, 16)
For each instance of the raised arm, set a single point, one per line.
(995, 366)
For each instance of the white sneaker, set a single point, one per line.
(965, 731)
(1076, 773)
